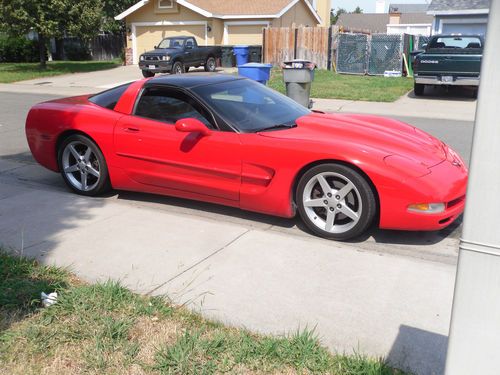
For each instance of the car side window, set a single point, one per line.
(190, 42)
(168, 106)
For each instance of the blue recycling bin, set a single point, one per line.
(256, 71)
(241, 53)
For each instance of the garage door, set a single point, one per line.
(464, 28)
(245, 34)
(149, 36)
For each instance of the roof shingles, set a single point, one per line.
(447, 5)
(248, 7)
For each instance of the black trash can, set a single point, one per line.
(298, 76)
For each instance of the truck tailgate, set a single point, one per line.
(449, 64)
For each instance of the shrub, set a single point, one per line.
(18, 49)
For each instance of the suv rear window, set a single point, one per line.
(109, 98)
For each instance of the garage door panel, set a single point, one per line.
(464, 28)
(149, 36)
(245, 34)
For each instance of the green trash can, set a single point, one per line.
(298, 76)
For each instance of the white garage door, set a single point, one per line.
(464, 28)
(149, 36)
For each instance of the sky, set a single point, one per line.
(368, 6)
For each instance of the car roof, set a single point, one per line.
(191, 80)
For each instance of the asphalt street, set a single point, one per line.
(387, 294)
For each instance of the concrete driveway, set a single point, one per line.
(388, 294)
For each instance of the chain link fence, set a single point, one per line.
(385, 53)
(351, 53)
(371, 54)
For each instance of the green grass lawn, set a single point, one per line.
(329, 85)
(106, 329)
(13, 72)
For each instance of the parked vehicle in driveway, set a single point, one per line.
(176, 55)
(450, 60)
(233, 141)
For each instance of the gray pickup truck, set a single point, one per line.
(450, 60)
(176, 55)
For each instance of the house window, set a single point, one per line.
(165, 4)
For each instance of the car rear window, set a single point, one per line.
(109, 98)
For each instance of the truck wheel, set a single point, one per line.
(418, 89)
(178, 68)
(210, 64)
(147, 74)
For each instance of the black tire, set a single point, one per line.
(418, 89)
(178, 68)
(147, 74)
(210, 64)
(360, 200)
(102, 183)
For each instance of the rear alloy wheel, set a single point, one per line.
(83, 166)
(335, 201)
(210, 64)
(418, 89)
(147, 74)
(178, 68)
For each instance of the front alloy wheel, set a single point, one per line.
(335, 201)
(82, 166)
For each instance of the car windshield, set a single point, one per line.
(171, 43)
(455, 42)
(250, 106)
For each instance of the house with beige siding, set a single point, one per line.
(215, 22)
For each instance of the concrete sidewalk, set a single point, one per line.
(252, 273)
(431, 106)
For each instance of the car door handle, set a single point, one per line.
(132, 129)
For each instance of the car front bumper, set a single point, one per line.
(438, 80)
(155, 66)
(446, 184)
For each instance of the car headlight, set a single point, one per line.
(427, 208)
(165, 58)
(141, 58)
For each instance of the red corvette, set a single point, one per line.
(232, 141)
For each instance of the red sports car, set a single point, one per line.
(232, 141)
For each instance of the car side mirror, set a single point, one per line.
(189, 47)
(191, 125)
(156, 47)
(424, 46)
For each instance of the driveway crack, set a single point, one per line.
(199, 262)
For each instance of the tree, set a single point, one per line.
(334, 17)
(112, 8)
(51, 19)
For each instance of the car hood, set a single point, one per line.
(161, 51)
(389, 136)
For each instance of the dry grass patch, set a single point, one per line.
(106, 329)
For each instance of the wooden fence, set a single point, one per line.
(308, 43)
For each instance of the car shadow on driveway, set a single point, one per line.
(292, 226)
(451, 93)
